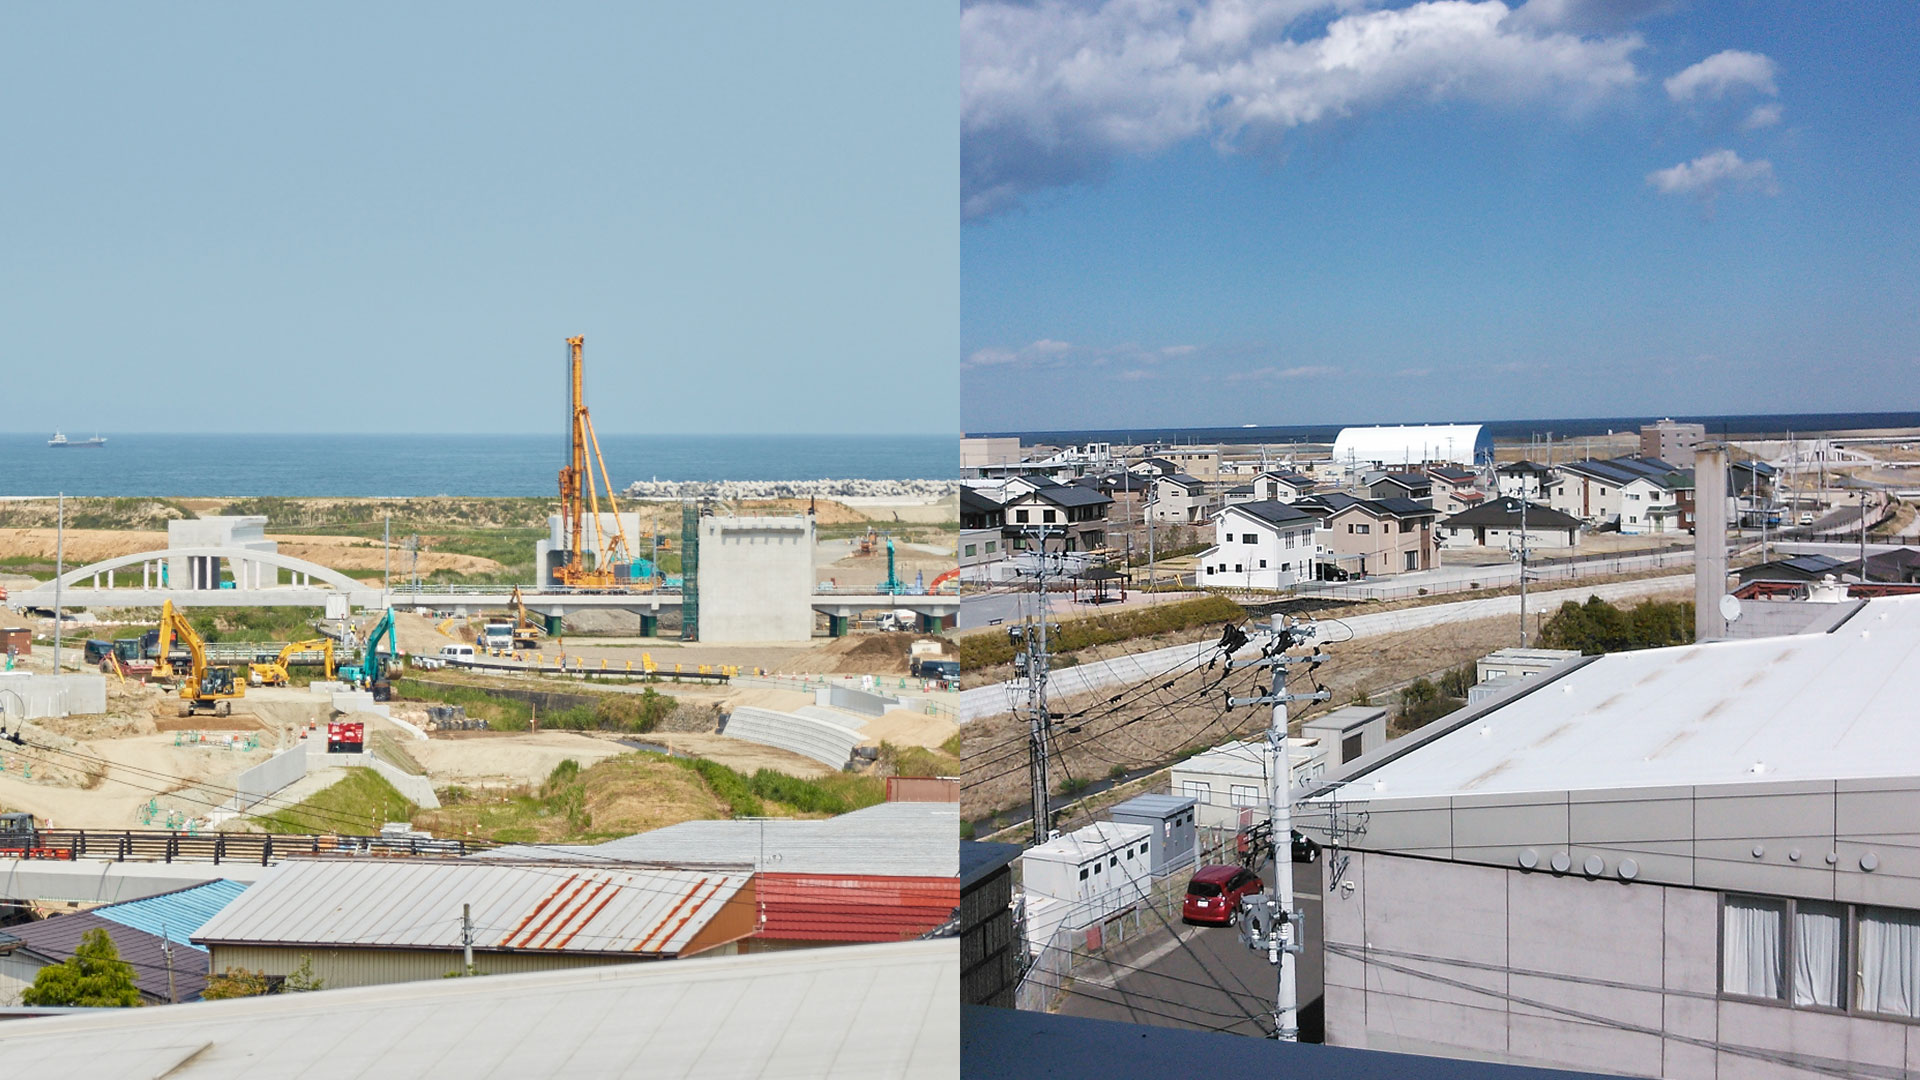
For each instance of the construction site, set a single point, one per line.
(208, 666)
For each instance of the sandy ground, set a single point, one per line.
(738, 754)
(506, 759)
(345, 553)
(838, 562)
(904, 727)
(1153, 727)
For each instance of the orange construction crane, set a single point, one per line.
(580, 498)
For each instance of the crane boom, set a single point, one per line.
(580, 491)
(209, 688)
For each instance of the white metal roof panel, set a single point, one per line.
(516, 906)
(1841, 705)
(860, 1012)
(902, 839)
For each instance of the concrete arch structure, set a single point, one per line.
(192, 578)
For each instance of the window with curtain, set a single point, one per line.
(1752, 946)
(1819, 954)
(1889, 961)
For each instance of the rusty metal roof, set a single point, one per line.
(516, 906)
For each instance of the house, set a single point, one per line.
(1399, 486)
(1593, 490)
(1280, 485)
(1200, 462)
(1181, 499)
(1361, 537)
(1454, 489)
(1241, 493)
(1153, 466)
(982, 521)
(153, 933)
(1259, 545)
(1497, 524)
(1074, 517)
(1648, 859)
(1798, 569)
(1523, 479)
(360, 923)
(978, 455)
(1348, 732)
(1649, 505)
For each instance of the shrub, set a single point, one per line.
(94, 977)
(987, 650)
(1597, 627)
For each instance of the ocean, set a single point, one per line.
(1748, 425)
(420, 465)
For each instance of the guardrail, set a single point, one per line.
(580, 669)
(162, 845)
(543, 590)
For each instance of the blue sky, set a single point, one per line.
(1241, 212)
(369, 217)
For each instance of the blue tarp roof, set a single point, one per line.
(177, 915)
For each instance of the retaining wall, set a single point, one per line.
(830, 744)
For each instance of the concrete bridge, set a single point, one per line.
(269, 579)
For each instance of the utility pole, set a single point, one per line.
(59, 572)
(1039, 719)
(466, 937)
(386, 543)
(1153, 498)
(1270, 923)
(1523, 565)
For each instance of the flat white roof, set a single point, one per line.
(1245, 757)
(858, 1011)
(1835, 706)
(1090, 842)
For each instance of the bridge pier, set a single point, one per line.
(649, 625)
(837, 625)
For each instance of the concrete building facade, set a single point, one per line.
(1671, 441)
(1259, 545)
(756, 579)
(205, 572)
(1694, 862)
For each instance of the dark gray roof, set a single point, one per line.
(1243, 489)
(971, 499)
(1410, 481)
(1623, 471)
(1160, 463)
(1064, 495)
(1278, 513)
(980, 858)
(1403, 507)
(1334, 501)
(1189, 482)
(54, 940)
(1517, 468)
(1452, 474)
(1292, 478)
(1797, 568)
(1504, 513)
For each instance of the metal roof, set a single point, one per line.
(176, 915)
(899, 839)
(55, 939)
(1271, 510)
(1504, 513)
(1088, 842)
(1833, 706)
(859, 1012)
(1459, 444)
(1237, 758)
(517, 906)
(1154, 805)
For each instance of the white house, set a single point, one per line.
(1275, 485)
(1259, 545)
(1181, 499)
(1648, 506)
(1231, 779)
(1523, 479)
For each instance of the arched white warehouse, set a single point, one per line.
(1396, 447)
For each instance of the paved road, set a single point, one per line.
(989, 700)
(1201, 976)
(1009, 604)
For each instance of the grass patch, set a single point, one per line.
(637, 792)
(989, 650)
(631, 713)
(359, 803)
(920, 761)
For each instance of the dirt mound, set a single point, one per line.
(631, 794)
(866, 654)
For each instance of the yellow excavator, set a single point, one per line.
(209, 689)
(526, 632)
(274, 672)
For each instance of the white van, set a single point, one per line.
(456, 652)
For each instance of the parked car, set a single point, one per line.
(1806, 517)
(1213, 896)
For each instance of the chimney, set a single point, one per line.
(1709, 542)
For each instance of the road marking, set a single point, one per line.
(1179, 938)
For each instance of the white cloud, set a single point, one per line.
(1178, 350)
(1040, 351)
(1711, 173)
(1713, 77)
(1273, 373)
(1762, 116)
(1054, 91)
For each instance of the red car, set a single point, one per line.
(1213, 896)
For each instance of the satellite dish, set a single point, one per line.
(1730, 608)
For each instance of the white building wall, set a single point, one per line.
(1278, 558)
(1563, 971)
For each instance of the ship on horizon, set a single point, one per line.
(60, 439)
